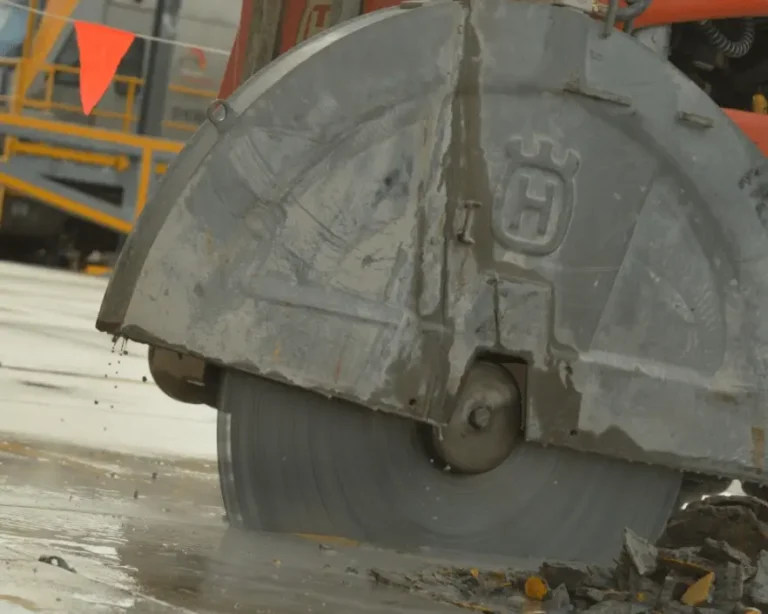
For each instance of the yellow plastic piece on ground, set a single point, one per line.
(475, 573)
(699, 591)
(536, 588)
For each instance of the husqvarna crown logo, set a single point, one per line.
(534, 204)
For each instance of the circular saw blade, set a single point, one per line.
(295, 462)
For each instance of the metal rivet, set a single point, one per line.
(217, 111)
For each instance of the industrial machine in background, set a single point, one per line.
(74, 184)
(484, 275)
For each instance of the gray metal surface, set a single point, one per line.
(326, 233)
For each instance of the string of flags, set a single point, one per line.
(101, 48)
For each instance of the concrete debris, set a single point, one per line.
(734, 520)
(712, 559)
(619, 608)
(642, 555)
(758, 588)
(720, 551)
(56, 561)
(559, 599)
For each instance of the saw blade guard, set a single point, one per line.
(422, 186)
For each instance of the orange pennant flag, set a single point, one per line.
(101, 49)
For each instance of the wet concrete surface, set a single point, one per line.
(62, 380)
(148, 535)
(85, 531)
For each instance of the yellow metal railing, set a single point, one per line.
(147, 146)
(13, 115)
(125, 115)
(121, 111)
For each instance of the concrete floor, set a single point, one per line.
(147, 536)
(62, 380)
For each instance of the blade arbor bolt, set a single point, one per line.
(480, 418)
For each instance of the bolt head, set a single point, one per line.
(480, 418)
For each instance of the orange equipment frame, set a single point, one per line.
(293, 14)
(659, 13)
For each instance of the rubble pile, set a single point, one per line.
(712, 559)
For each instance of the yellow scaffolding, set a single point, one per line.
(21, 118)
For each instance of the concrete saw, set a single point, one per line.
(470, 277)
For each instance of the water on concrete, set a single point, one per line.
(145, 535)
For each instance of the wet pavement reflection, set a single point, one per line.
(145, 536)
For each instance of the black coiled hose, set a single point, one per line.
(730, 48)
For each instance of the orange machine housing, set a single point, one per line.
(293, 23)
(659, 13)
